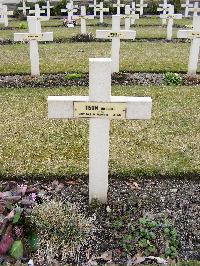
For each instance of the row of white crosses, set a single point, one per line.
(100, 107)
(33, 37)
(140, 7)
(115, 35)
(170, 16)
(83, 17)
(194, 35)
(4, 13)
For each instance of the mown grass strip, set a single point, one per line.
(166, 145)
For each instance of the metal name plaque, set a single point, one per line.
(194, 35)
(33, 37)
(100, 110)
(115, 34)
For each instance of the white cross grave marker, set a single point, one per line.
(115, 34)
(128, 16)
(83, 18)
(187, 5)
(141, 6)
(195, 9)
(95, 6)
(99, 107)
(101, 9)
(133, 10)
(118, 6)
(34, 36)
(170, 20)
(4, 13)
(194, 35)
(164, 9)
(48, 8)
(38, 13)
(24, 7)
(70, 11)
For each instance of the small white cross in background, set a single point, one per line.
(194, 35)
(48, 8)
(133, 10)
(99, 107)
(101, 9)
(128, 17)
(118, 6)
(24, 7)
(195, 9)
(115, 35)
(4, 13)
(94, 6)
(83, 17)
(34, 36)
(164, 9)
(141, 6)
(187, 5)
(170, 20)
(70, 11)
(38, 13)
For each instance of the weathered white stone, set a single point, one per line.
(118, 5)
(70, 11)
(195, 9)
(62, 107)
(187, 5)
(94, 6)
(115, 34)
(24, 8)
(164, 9)
(170, 20)
(101, 10)
(194, 35)
(33, 37)
(133, 10)
(83, 17)
(128, 17)
(141, 6)
(48, 8)
(4, 13)
(38, 13)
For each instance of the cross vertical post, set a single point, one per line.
(99, 69)
(24, 7)
(164, 9)
(195, 9)
(141, 6)
(115, 34)
(187, 5)
(101, 9)
(194, 35)
(133, 10)
(170, 20)
(128, 17)
(118, 6)
(95, 6)
(48, 8)
(33, 37)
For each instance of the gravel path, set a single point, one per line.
(57, 80)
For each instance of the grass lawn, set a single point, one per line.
(32, 145)
(73, 57)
